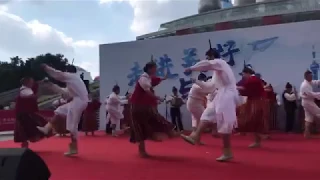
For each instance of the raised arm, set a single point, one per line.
(206, 65)
(315, 82)
(315, 95)
(155, 81)
(203, 65)
(56, 74)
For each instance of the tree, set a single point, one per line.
(11, 72)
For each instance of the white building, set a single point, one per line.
(86, 74)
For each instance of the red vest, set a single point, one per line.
(139, 96)
(26, 104)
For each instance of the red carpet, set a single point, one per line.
(284, 157)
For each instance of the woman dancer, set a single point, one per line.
(114, 109)
(90, 117)
(223, 107)
(27, 116)
(147, 123)
(254, 114)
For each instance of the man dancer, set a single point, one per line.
(77, 90)
(223, 107)
(196, 101)
(311, 110)
(114, 109)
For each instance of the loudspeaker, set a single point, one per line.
(22, 164)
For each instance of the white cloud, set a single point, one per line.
(85, 43)
(3, 8)
(25, 39)
(149, 14)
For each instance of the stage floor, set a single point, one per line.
(284, 157)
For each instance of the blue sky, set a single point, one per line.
(76, 28)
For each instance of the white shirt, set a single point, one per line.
(25, 91)
(306, 90)
(75, 85)
(114, 102)
(145, 82)
(197, 92)
(290, 97)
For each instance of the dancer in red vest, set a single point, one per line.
(27, 117)
(254, 116)
(146, 122)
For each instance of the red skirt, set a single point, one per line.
(26, 127)
(253, 116)
(90, 121)
(127, 115)
(146, 122)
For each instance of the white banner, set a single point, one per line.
(280, 53)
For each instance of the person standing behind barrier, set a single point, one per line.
(290, 106)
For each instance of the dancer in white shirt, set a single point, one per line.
(196, 101)
(77, 90)
(114, 108)
(223, 107)
(311, 110)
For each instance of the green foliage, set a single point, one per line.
(11, 72)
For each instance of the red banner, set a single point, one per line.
(8, 118)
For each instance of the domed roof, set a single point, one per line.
(208, 5)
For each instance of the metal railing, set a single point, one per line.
(238, 13)
(8, 96)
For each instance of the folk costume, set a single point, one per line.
(254, 115)
(79, 99)
(114, 107)
(90, 117)
(27, 115)
(146, 122)
(222, 110)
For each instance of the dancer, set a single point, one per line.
(254, 114)
(311, 110)
(197, 100)
(222, 109)
(77, 90)
(90, 117)
(114, 109)
(146, 122)
(27, 115)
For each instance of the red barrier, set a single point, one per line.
(8, 118)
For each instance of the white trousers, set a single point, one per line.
(62, 110)
(75, 109)
(222, 110)
(311, 110)
(196, 108)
